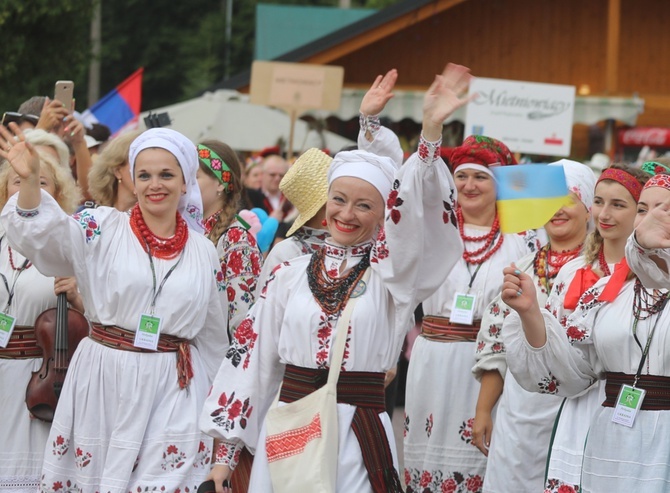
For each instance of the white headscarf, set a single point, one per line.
(190, 204)
(580, 179)
(378, 171)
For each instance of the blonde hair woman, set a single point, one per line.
(109, 181)
(22, 443)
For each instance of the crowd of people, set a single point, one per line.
(216, 290)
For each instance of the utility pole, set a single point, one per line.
(94, 67)
(229, 35)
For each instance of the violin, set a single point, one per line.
(58, 332)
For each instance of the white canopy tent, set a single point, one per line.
(228, 116)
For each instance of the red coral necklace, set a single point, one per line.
(475, 257)
(159, 247)
(602, 263)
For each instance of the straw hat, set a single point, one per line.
(305, 185)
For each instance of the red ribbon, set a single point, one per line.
(615, 282)
(583, 280)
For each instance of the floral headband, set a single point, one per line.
(624, 178)
(660, 180)
(218, 166)
(654, 168)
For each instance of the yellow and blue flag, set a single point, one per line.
(528, 195)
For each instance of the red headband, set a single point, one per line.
(661, 180)
(624, 178)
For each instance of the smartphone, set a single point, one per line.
(64, 92)
(208, 486)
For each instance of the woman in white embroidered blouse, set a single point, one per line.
(127, 419)
(292, 324)
(622, 341)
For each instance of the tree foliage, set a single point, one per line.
(181, 45)
(42, 41)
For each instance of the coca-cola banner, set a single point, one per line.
(645, 136)
(529, 117)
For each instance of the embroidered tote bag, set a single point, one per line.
(302, 437)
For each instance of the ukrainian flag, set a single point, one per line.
(528, 195)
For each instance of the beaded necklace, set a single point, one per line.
(548, 263)
(488, 249)
(602, 263)
(26, 264)
(332, 293)
(165, 248)
(646, 304)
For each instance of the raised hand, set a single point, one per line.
(654, 229)
(518, 290)
(447, 93)
(20, 154)
(53, 115)
(380, 92)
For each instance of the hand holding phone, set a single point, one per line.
(64, 92)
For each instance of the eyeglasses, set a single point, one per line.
(12, 116)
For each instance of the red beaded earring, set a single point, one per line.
(324, 223)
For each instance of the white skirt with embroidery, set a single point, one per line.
(123, 424)
(22, 438)
(439, 412)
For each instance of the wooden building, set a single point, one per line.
(611, 50)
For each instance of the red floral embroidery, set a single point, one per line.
(230, 291)
(426, 479)
(395, 216)
(429, 425)
(173, 458)
(474, 483)
(235, 263)
(390, 202)
(81, 458)
(480, 346)
(494, 330)
(232, 410)
(549, 385)
(575, 334)
(244, 340)
(380, 250)
(61, 446)
(323, 337)
(466, 430)
(234, 235)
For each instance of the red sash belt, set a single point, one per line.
(119, 338)
(657, 397)
(22, 344)
(365, 390)
(440, 329)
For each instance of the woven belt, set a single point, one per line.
(118, 338)
(365, 390)
(22, 344)
(657, 397)
(440, 329)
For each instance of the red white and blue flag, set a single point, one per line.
(120, 107)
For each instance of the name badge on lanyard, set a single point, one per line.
(148, 332)
(7, 323)
(628, 404)
(463, 308)
(149, 326)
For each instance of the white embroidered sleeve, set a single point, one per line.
(640, 262)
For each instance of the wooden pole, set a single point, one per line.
(294, 116)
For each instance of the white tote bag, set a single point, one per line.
(302, 437)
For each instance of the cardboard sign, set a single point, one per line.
(298, 86)
(528, 117)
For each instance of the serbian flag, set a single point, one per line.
(119, 107)
(528, 195)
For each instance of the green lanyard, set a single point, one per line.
(645, 352)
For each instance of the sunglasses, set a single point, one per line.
(12, 116)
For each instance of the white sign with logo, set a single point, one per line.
(528, 117)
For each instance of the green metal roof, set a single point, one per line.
(283, 28)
